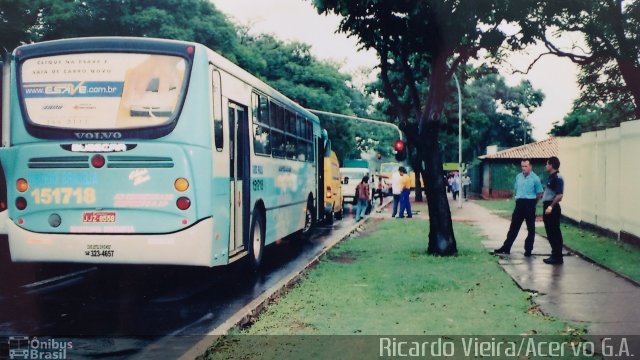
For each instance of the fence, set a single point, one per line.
(601, 170)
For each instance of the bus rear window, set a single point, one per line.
(102, 90)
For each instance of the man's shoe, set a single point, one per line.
(527, 253)
(553, 261)
(501, 251)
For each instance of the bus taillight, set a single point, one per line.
(22, 185)
(181, 184)
(21, 203)
(328, 195)
(97, 161)
(183, 203)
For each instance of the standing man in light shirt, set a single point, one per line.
(551, 204)
(396, 189)
(527, 190)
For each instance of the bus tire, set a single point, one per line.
(256, 240)
(308, 219)
(330, 217)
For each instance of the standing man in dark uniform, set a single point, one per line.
(551, 217)
(527, 190)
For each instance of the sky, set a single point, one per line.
(298, 20)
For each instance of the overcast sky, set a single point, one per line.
(298, 20)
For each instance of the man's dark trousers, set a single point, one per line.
(552, 226)
(525, 211)
(396, 202)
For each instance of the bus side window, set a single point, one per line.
(218, 133)
(261, 137)
(278, 147)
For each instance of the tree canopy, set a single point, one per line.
(609, 58)
(287, 66)
(420, 46)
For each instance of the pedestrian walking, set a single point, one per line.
(455, 186)
(405, 184)
(396, 189)
(527, 190)
(552, 212)
(363, 198)
(466, 182)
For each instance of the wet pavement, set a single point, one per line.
(159, 312)
(578, 291)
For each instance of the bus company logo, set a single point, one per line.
(99, 147)
(100, 135)
(57, 89)
(23, 347)
(84, 107)
(52, 107)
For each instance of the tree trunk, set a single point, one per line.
(416, 165)
(631, 75)
(441, 237)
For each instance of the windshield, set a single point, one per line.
(353, 173)
(102, 90)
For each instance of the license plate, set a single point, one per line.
(99, 216)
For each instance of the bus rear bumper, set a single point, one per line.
(192, 246)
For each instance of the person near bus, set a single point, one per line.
(466, 182)
(363, 198)
(405, 203)
(396, 189)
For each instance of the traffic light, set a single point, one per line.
(400, 148)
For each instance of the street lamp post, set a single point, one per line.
(459, 142)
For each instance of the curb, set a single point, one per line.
(251, 311)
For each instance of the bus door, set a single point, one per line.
(239, 176)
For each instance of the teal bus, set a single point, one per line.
(150, 151)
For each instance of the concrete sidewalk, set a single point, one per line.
(578, 291)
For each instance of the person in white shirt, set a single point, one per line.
(466, 182)
(396, 189)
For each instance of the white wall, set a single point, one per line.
(602, 177)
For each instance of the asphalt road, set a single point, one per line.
(114, 312)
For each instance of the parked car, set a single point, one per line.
(332, 188)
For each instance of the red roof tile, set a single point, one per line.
(538, 150)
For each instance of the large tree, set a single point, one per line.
(17, 18)
(611, 30)
(426, 39)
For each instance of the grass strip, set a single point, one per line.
(383, 282)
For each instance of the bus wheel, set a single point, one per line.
(256, 240)
(308, 220)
